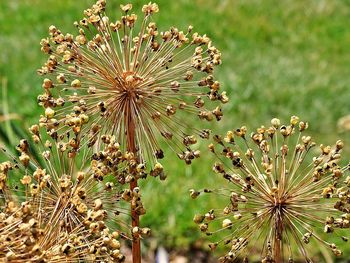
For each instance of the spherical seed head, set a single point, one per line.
(26, 180)
(126, 7)
(278, 195)
(49, 113)
(226, 223)
(134, 85)
(198, 219)
(194, 194)
(150, 8)
(275, 122)
(294, 120)
(146, 231)
(213, 246)
(63, 214)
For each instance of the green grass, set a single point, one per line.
(280, 58)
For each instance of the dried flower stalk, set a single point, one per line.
(277, 200)
(132, 82)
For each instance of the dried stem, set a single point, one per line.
(278, 231)
(277, 249)
(136, 245)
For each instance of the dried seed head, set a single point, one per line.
(63, 205)
(148, 92)
(226, 223)
(194, 194)
(126, 7)
(275, 122)
(198, 219)
(276, 191)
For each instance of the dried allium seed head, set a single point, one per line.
(58, 213)
(276, 196)
(131, 85)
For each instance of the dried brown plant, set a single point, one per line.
(129, 80)
(64, 207)
(278, 199)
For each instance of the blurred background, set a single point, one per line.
(280, 58)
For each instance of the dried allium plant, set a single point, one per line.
(64, 206)
(131, 80)
(277, 200)
(26, 237)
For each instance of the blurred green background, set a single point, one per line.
(280, 58)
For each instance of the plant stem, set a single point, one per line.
(136, 244)
(277, 250)
(277, 241)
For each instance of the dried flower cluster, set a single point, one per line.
(277, 200)
(129, 80)
(110, 90)
(66, 207)
(26, 237)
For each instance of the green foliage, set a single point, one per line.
(280, 58)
